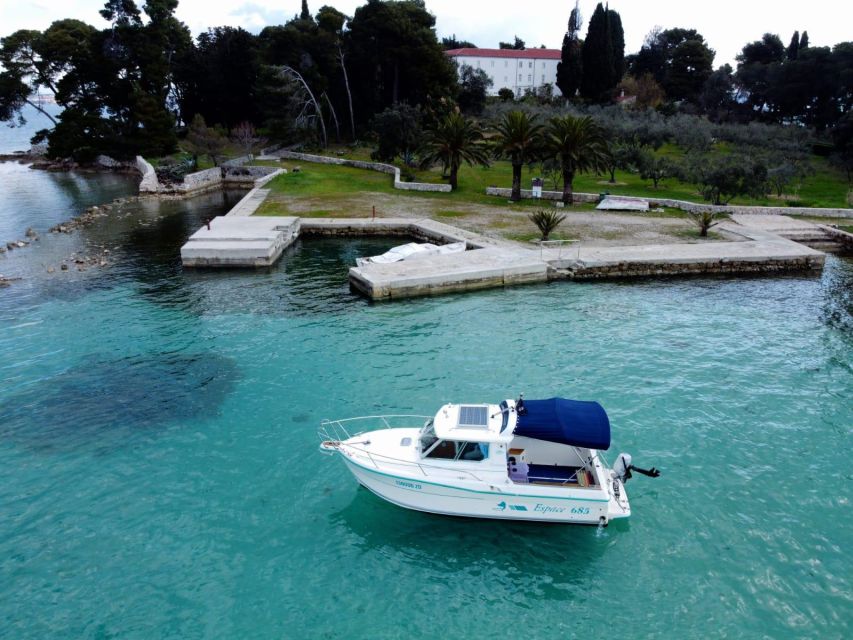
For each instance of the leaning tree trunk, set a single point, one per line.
(568, 188)
(515, 196)
(349, 95)
(293, 73)
(41, 111)
(334, 118)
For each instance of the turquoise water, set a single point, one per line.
(160, 476)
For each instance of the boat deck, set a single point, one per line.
(547, 474)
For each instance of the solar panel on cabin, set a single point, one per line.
(473, 416)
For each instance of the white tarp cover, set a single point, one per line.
(623, 203)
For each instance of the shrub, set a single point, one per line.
(546, 221)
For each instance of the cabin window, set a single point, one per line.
(456, 450)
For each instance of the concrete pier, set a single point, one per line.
(244, 241)
(240, 242)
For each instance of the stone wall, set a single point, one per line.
(838, 235)
(646, 269)
(238, 177)
(693, 207)
(371, 166)
(527, 194)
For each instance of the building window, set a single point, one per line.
(529, 65)
(493, 63)
(506, 63)
(530, 78)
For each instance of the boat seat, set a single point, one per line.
(518, 470)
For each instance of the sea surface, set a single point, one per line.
(160, 474)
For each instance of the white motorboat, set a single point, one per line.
(412, 251)
(521, 460)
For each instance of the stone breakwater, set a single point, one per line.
(371, 166)
(684, 205)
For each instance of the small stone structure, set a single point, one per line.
(371, 166)
(149, 183)
(230, 175)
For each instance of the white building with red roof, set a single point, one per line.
(514, 69)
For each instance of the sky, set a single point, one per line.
(726, 24)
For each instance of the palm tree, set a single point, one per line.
(452, 141)
(519, 140)
(579, 145)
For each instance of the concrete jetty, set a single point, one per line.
(240, 242)
(244, 241)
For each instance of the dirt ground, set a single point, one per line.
(511, 222)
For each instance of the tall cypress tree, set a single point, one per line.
(597, 57)
(794, 47)
(804, 41)
(305, 15)
(617, 40)
(570, 67)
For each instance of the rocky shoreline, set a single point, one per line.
(102, 164)
(99, 257)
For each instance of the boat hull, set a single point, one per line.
(481, 500)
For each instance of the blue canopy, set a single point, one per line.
(574, 422)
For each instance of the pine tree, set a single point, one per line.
(794, 47)
(597, 57)
(305, 15)
(570, 67)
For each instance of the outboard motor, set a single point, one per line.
(623, 467)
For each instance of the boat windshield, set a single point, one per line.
(428, 437)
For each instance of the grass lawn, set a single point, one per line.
(826, 187)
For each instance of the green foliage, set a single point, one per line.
(598, 58)
(546, 220)
(393, 56)
(720, 179)
(451, 142)
(705, 220)
(399, 131)
(204, 140)
(811, 89)
(623, 155)
(114, 85)
(570, 67)
(452, 43)
(519, 139)
(473, 87)
(579, 145)
(517, 44)
(678, 59)
(656, 168)
(842, 138)
(506, 95)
